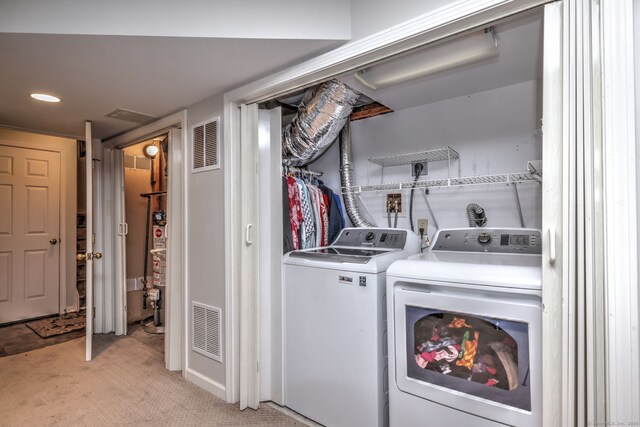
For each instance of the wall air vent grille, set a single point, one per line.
(207, 331)
(206, 145)
(137, 162)
(130, 116)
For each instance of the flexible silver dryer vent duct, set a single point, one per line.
(476, 215)
(322, 113)
(346, 180)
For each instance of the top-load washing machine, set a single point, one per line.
(335, 369)
(465, 331)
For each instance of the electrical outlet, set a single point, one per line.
(424, 225)
(425, 168)
(394, 203)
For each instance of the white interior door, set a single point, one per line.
(29, 233)
(175, 263)
(249, 277)
(122, 229)
(270, 155)
(557, 395)
(90, 256)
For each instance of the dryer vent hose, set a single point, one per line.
(476, 215)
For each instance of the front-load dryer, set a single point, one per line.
(465, 331)
(335, 369)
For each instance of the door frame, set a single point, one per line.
(67, 148)
(175, 309)
(431, 27)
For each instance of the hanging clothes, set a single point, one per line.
(339, 203)
(287, 226)
(336, 222)
(312, 214)
(295, 211)
(320, 214)
(308, 223)
(323, 212)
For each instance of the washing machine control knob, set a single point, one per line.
(370, 235)
(484, 238)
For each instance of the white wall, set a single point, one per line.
(205, 238)
(273, 19)
(370, 16)
(493, 131)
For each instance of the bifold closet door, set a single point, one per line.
(89, 256)
(270, 247)
(556, 203)
(249, 254)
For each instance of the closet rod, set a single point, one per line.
(302, 171)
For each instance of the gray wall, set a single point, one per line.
(494, 132)
(205, 237)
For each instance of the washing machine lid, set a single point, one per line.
(487, 269)
(340, 254)
(367, 250)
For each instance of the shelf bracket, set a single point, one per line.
(515, 190)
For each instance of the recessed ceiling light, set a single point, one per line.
(44, 97)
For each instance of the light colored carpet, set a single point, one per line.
(126, 384)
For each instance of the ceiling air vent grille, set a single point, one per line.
(206, 331)
(206, 145)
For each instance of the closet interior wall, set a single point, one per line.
(494, 125)
(494, 132)
(138, 180)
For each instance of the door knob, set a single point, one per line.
(53, 241)
(88, 256)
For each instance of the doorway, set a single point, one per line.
(145, 175)
(115, 228)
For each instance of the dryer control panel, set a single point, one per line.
(379, 238)
(495, 240)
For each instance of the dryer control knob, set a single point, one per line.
(370, 235)
(484, 238)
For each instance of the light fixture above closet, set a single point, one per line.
(151, 150)
(432, 59)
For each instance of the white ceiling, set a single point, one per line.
(156, 76)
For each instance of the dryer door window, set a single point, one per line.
(469, 349)
(488, 358)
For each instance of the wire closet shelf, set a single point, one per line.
(442, 154)
(507, 178)
(439, 154)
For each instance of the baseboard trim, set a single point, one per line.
(206, 383)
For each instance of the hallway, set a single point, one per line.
(125, 384)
